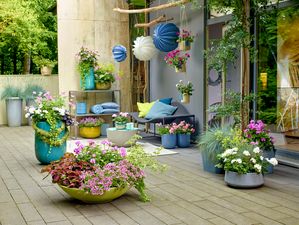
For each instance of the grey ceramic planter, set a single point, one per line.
(14, 111)
(248, 180)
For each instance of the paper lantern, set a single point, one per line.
(144, 48)
(165, 37)
(119, 53)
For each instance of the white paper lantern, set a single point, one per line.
(144, 48)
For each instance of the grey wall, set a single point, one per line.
(163, 78)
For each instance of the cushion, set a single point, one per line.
(166, 100)
(144, 108)
(159, 110)
(110, 105)
(96, 109)
(110, 111)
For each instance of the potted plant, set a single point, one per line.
(104, 76)
(244, 166)
(28, 94)
(46, 65)
(256, 134)
(185, 90)
(183, 131)
(99, 173)
(87, 60)
(120, 120)
(13, 99)
(185, 39)
(168, 135)
(177, 60)
(49, 120)
(90, 127)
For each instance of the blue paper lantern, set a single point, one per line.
(119, 53)
(166, 36)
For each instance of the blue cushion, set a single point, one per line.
(160, 109)
(110, 105)
(110, 111)
(166, 100)
(96, 109)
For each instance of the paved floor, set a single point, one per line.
(184, 195)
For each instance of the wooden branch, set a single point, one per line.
(152, 9)
(160, 19)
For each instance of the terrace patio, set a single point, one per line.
(185, 194)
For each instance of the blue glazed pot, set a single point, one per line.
(209, 165)
(168, 140)
(269, 154)
(43, 151)
(81, 108)
(183, 140)
(89, 81)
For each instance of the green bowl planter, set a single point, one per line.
(86, 197)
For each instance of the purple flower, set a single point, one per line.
(123, 152)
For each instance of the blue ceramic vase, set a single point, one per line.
(43, 151)
(168, 141)
(183, 140)
(89, 83)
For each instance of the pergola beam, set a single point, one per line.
(160, 19)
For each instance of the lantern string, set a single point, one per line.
(183, 18)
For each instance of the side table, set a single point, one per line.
(120, 137)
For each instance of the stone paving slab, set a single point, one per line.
(185, 194)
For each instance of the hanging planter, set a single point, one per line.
(181, 69)
(177, 60)
(166, 36)
(186, 98)
(185, 39)
(185, 90)
(144, 48)
(184, 45)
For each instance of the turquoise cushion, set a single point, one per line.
(110, 105)
(166, 100)
(160, 109)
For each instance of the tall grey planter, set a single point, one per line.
(248, 180)
(14, 111)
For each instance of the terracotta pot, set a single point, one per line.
(181, 69)
(90, 132)
(186, 98)
(103, 86)
(46, 70)
(184, 45)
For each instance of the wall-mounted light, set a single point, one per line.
(264, 80)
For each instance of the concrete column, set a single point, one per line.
(92, 24)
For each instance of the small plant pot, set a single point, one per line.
(103, 86)
(181, 69)
(185, 98)
(120, 126)
(184, 45)
(88, 82)
(90, 132)
(104, 128)
(46, 70)
(168, 140)
(183, 140)
(248, 180)
(14, 111)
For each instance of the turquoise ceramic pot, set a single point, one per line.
(89, 83)
(43, 151)
(183, 140)
(168, 141)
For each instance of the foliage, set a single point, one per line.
(11, 91)
(122, 117)
(233, 102)
(185, 35)
(90, 122)
(51, 110)
(40, 62)
(165, 129)
(245, 159)
(104, 73)
(31, 90)
(256, 134)
(185, 88)
(98, 168)
(176, 59)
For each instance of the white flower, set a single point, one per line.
(246, 153)
(38, 111)
(27, 115)
(262, 158)
(239, 161)
(272, 161)
(234, 160)
(225, 160)
(45, 111)
(31, 110)
(256, 150)
(253, 160)
(62, 112)
(258, 167)
(34, 92)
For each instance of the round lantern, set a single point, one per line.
(144, 48)
(165, 37)
(119, 53)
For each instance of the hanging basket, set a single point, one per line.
(184, 45)
(181, 69)
(186, 98)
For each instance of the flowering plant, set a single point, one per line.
(104, 73)
(246, 159)
(166, 129)
(176, 59)
(183, 128)
(90, 122)
(185, 88)
(51, 110)
(122, 117)
(96, 168)
(185, 35)
(256, 134)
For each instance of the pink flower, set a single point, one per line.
(123, 152)
(114, 115)
(93, 161)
